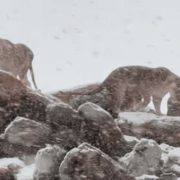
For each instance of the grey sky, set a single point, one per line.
(82, 41)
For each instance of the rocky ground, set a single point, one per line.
(53, 141)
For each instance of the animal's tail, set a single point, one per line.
(32, 76)
(85, 90)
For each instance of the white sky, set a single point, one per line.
(82, 41)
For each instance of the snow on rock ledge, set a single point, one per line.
(160, 128)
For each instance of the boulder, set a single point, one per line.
(66, 125)
(18, 100)
(168, 176)
(100, 130)
(89, 163)
(160, 128)
(172, 163)
(6, 174)
(144, 159)
(24, 136)
(27, 132)
(47, 163)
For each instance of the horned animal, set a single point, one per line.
(16, 59)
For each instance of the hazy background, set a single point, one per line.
(81, 41)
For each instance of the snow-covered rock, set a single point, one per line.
(47, 163)
(131, 140)
(160, 128)
(100, 130)
(27, 132)
(172, 162)
(168, 176)
(89, 163)
(144, 159)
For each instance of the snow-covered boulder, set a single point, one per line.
(144, 159)
(89, 163)
(131, 140)
(172, 162)
(27, 132)
(47, 163)
(160, 128)
(100, 130)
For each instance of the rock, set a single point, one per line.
(168, 176)
(66, 125)
(100, 130)
(61, 114)
(89, 163)
(144, 159)
(18, 100)
(131, 141)
(100, 98)
(24, 136)
(146, 125)
(6, 174)
(47, 163)
(27, 132)
(172, 163)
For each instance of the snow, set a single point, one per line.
(4, 162)
(137, 118)
(145, 176)
(26, 173)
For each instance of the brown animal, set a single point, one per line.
(16, 59)
(145, 82)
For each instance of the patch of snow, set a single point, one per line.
(130, 138)
(26, 173)
(137, 118)
(145, 176)
(4, 162)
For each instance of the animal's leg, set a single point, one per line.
(117, 98)
(24, 79)
(32, 76)
(157, 104)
